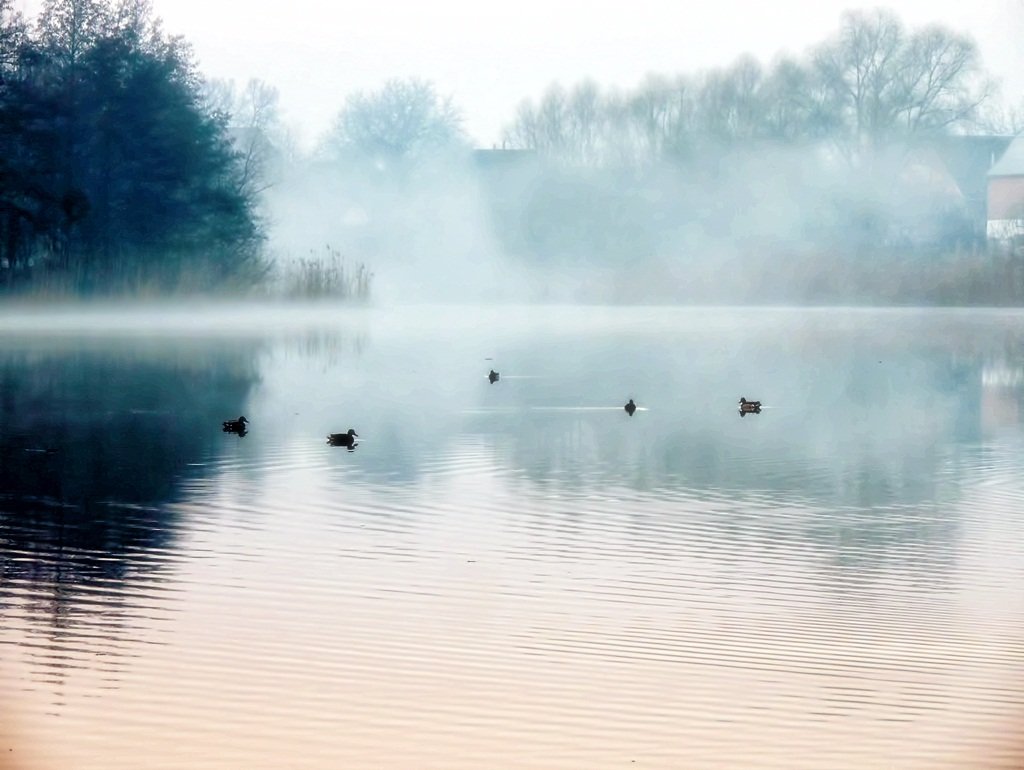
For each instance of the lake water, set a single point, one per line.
(519, 574)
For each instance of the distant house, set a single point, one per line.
(1006, 197)
(968, 159)
(926, 205)
(939, 188)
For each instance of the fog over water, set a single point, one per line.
(853, 169)
(442, 537)
(516, 572)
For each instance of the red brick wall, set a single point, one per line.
(1006, 197)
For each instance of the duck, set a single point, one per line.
(749, 407)
(630, 407)
(343, 439)
(235, 426)
(493, 376)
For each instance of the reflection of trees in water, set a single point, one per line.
(878, 509)
(330, 347)
(866, 422)
(866, 431)
(95, 439)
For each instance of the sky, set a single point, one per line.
(490, 56)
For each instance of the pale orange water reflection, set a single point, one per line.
(482, 584)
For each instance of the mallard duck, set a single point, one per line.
(235, 426)
(343, 439)
(630, 407)
(749, 407)
(493, 376)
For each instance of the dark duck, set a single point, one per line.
(749, 407)
(493, 376)
(343, 439)
(235, 426)
(630, 407)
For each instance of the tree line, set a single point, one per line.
(121, 168)
(810, 149)
(871, 84)
(800, 170)
(114, 175)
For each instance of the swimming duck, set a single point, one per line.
(493, 376)
(630, 407)
(343, 439)
(235, 426)
(749, 407)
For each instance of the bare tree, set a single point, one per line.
(404, 122)
(540, 128)
(572, 126)
(253, 121)
(728, 102)
(796, 107)
(1001, 118)
(647, 118)
(257, 128)
(942, 81)
(219, 97)
(657, 120)
(884, 84)
(587, 120)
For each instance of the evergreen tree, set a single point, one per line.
(114, 174)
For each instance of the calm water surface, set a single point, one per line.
(518, 574)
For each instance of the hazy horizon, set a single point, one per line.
(731, 179)
(555, 533)
(489, 59)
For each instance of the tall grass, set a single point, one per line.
(325, 275)
(142, 276)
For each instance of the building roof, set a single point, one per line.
(924, 168)
(1012, 161)
(969, 159)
